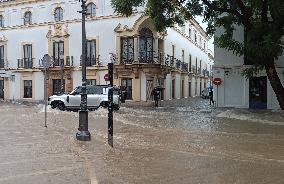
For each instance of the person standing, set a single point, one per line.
(156, 95)
(211, 97)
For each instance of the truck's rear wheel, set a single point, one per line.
(61, 106)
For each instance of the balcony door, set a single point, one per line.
(146, 48)
(127, 85)
(28, 56)
(58, 53)
(2, 56)
(91, 53)
(1, 89)
(127, 50)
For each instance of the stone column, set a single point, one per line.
(136, 48)
(156, 45)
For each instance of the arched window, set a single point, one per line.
(58, 14)
(1, 21)
(91, 10)
(27, 18)
(146, 42)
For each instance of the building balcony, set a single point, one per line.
(144, 58)
(205, 73)
(25, 63)
(199, 70)
(169, 61)
(194, 70)
(91, 61)
(184, 67)
(178, 64)
(68, 62)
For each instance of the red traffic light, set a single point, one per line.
(106, 77)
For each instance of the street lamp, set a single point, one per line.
(83, 133)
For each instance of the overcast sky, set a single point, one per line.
(204, 25)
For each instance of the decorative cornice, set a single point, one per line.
(89, 19)
(3, 39)
(120, 28)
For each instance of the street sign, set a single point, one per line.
(217, 81)
(46, 62)
(106, 77)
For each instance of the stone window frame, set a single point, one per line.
(92, 14)
(61, 14)
(27, 20)
(24, 88)
(2, 21)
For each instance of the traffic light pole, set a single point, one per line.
(110, 105)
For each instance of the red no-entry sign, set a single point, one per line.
(217, 81)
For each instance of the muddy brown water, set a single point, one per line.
(185, 141)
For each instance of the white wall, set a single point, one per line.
(39, 85)
(224, 57)
(143, 86)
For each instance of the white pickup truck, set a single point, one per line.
(97, 96)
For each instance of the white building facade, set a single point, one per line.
(238, 91)
(176, 59)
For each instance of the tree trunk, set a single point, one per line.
(275, 83)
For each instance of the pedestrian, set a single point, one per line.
(156, 95)
(211, 97)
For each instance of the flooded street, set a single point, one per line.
(185, 141)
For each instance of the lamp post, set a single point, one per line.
(83, 133)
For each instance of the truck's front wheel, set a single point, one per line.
(61, 106)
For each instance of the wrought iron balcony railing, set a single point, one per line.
(169, 61)
(178, 64)
(63, 63)
(90, 61)
(194, 70)
(199, 70)
(205, 73)
(26, 63)
(144, 58)
(184, 67)
(68, 62)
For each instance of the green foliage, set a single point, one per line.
(252, 71)
(262, 20)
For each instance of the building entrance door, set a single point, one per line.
(189, 89)
(149, 89)
(127, 85)
(258, 93)
(1, 89)
(56, 84)
(173, 88)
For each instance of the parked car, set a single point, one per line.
(205, 93)
(97, 96)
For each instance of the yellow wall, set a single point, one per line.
(6, 88)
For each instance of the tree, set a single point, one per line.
(262, 21)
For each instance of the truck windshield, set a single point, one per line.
(76, 91)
